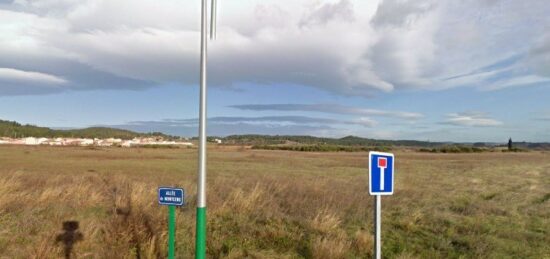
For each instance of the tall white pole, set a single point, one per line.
(200, 243)
(377, 226)
(213, 17)
(201, 197)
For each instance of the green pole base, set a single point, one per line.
(200, 245)
(171, 231)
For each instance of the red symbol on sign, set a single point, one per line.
(382, 162)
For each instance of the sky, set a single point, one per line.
(437, 70)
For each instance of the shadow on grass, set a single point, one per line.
(69, 237)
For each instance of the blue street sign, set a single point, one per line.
(381, 173)
(171, 196)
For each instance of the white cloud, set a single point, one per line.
(346, 47)
(14, 75)
(471, 119)
(367, 122)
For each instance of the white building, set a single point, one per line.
(127, 143)
(31, 141)
(86, 142)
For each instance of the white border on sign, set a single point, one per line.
(371, 153)
(171, 188)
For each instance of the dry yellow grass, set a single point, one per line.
(273, 204)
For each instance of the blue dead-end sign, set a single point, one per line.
(171, 196)
(381, 173)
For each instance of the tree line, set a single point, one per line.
(14, 129)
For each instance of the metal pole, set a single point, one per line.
(377, 226)
(213, 16)
(200, 243)
(171, 231)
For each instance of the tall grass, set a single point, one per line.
(273, 204)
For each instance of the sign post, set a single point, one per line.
(172, 197)
(200, 241)
(377, 226)
(171, 231)
(381, 176)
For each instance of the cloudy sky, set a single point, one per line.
(472, 70)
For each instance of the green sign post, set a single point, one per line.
(172, 197)
(171, 231)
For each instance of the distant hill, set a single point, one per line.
(354, 143)
(309, 140)
(16, 130)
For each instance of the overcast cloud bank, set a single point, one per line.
(346, 47)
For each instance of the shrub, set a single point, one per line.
(322, 148)
(455, 149)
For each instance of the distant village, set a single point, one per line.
(109, 142)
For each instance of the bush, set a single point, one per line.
(157, 146)
(515, 149)
(321, 148)
(455, 149)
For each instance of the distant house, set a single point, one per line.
(103, 143)
(127, 143)
(71, 142)
(17, 142)
(86, 142)
(43, 141)
(114, 140)
(31, 141)
(56, 142)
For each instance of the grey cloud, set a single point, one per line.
(33, 58)
(449, 37)
(264, 120)
(10, 88)
(75, 76)
(506, 73)
(399, 12)
(502, 64)
(342, 10)
(539, 55)
(221, 126)
(329, 108)
(139, 43)
(228, 129)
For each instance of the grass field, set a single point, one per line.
(272, 204)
